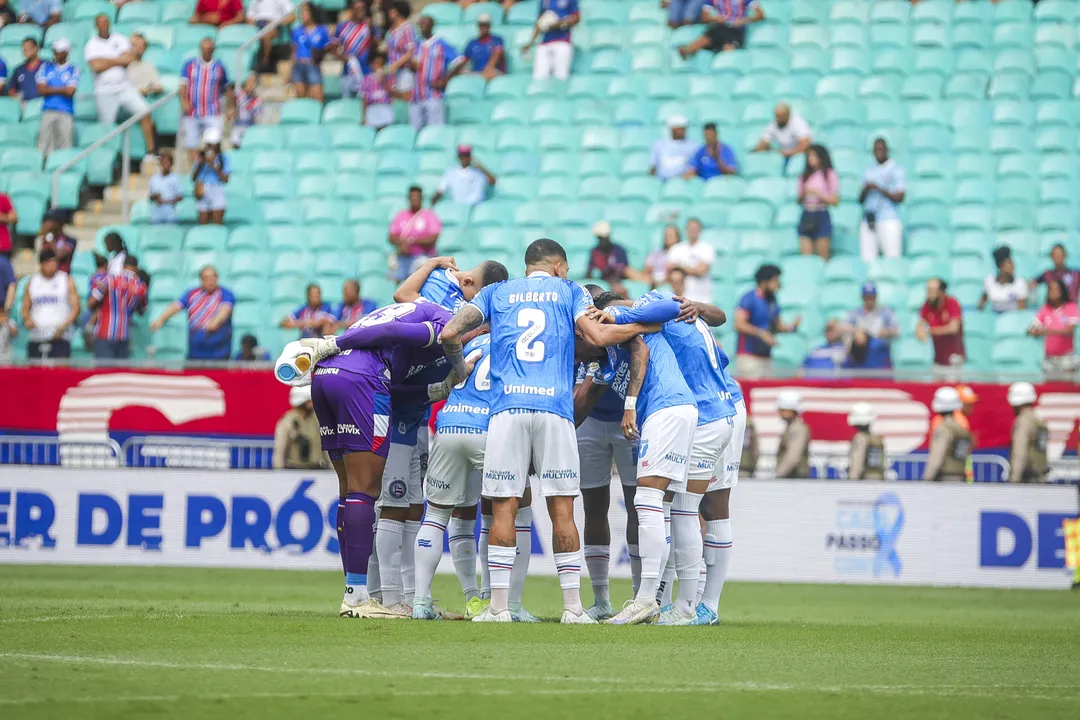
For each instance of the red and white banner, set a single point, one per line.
(86, 406)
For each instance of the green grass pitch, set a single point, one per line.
(109, 642)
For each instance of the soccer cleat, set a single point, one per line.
(671, 615)
(475, 606)
(424, 610)
(601, 610)
(633, 613)
(705, 616)
(520, 614)
(583, 618)
(488, 616)
(370, 609)
(399, 610)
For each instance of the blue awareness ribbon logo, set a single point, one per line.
(888, 522)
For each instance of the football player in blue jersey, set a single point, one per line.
(534, 323)
(440, 281)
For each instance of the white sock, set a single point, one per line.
(429, 542)
(523, 526)
(598, 560)
(568, 566)
(717, 559)
(482, 551)
(649, 504)
(500, 564)
(667, 569)
(408, 560)
(463, 551)
(388, 544)
(374, 582)
(686, 548)
(355, 594)
(635, 566)
(702, 574)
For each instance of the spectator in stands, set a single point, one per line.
(818, 189)
(143, 76)
(166, 190)
(246, 110)
(314, 318)
(3, 72)
(310, 41)
(219, 13)
(251, 351)
(57, 82)
(727, 26)
(297, 441)
(684, 12)
(468, 183)
(884, 187)
(209, 307)
(8, 217)
(54, 238)
(608, 260)
(656, 264)
(23, 84)
(261, 13)
(1004, 290)
(116, 251)
(870, 330)
(353, 43)
(377, 94)
(49, 310)
(352, 307)
(436, 63)
(556, 52)
(212, 169)
(203, 81)
(40, 12)
(7, 17)
(486, 52)
(1071, 277)
(757, 320)
(1056, 322)
(831, 356)
(115, 300)
(413, 233)
(669, 156)
(690, 265)
(109, 55)
(788, 132)
(401, 46)
(8, 328)
(713, 158)
(88, 318)
(941, 319)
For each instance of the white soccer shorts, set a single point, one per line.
(599, 445)
(545, 439)
(402, 480)
(667, 438)
(727, 472)
(710, 443)
(455, 469)
(553, 59)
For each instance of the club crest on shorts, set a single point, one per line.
(644, 449)
(397, 489)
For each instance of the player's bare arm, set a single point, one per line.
(604, 335)
(639, 365)
(410, 289)
(586, 395)
(466, 319)
(690, 310)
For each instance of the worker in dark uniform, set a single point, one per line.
(1030, 437)
(950, 445)
(793, 454)
(867, 461)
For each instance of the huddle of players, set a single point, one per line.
(562, 370)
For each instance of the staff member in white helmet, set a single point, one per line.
(950, 445)
(793, 454)
(297, 444)
(867, 460)
(1030, 437)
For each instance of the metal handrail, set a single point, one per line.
(241, 71)
(125, 169)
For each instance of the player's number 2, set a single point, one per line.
(528, 348)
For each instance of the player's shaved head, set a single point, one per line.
(606, 298)
(594, 290)
(544, 250)
(491, 272)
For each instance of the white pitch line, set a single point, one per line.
(74, 618)
(599, 685)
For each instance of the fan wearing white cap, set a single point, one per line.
(297, 443)
(793, 453)
(670, 156)
(950, 445)
(867, 458)
(486, 52)
(607, 261)
(555, 54)
(212, 170)
(109, 55)
(56, 83)
(1030, 437)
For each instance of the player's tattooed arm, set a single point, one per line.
(604, 335)
(586, 395)
(410, 289)
(639, 365)
(467, 318)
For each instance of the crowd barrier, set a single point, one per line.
(989, 535)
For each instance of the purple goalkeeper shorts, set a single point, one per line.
(353, 411)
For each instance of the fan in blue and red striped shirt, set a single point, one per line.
(209, 307)
(116, 298)
(436, 62)
(355, 38)
(203, 81)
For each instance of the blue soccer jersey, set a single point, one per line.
(469, 403)
(733, 387)
(609, 408)
(698, 356)
(532, 337)
(443, 288)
